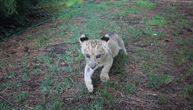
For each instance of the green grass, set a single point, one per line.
(56, 105)
(129, 88)
(105, 93)
(146, 4)
(40, 107)
(5, 106)
(22, 97)
(10, 75)
(156, 81)
(42, 40)
(182, 56)
(163, 99)
(126, 12)
(156, 21)
(46, 85)
(25, 68)
(45, 59)
(97, 104)
(188, 91)
(119, 62)
(65, 84)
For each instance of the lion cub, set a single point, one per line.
(100, 53)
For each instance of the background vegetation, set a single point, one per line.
(17, 15)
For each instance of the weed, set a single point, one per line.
(36, 70)
(10, 85)
(119, 62)
(45, 59)
(46, 85)
(10, 75)
(54, 69)
(98, 104)
(65, 84)
(56, 105)
(154, 35)
(184, 42)
(26, 74)
(70, 3)
(42, 40)
(156, 21)
(156, 81)
(105, 93)
(182, 56)
(40, 107)
(129, 88)
(188, 70)
(25, 69)
(4, 106)
(128, 11)
(69, 69)
(21, 97)
(162, 99)
(135, 34)
(145, 4)
(189, 90)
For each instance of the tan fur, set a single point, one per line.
(100, 53)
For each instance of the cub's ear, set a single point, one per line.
(105, 38)
(83, 38)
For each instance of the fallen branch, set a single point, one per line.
(4, 99)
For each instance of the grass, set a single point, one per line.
(156, 21)
(21, 97)
(130, 88)
(105, 93)
(56, 105)
(97, 104)
(146, 4)
(65, 84)
(41, 41)
(129, 11)
(5, 106)
(182, 56)
(188, 91)
(163, 99)
(155, 81)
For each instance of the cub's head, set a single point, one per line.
(94, 50)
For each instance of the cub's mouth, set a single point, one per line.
(92, 65)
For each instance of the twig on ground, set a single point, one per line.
(11, 104)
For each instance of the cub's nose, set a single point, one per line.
(93, 66)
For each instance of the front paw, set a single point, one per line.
(104, 78)
(90, 88)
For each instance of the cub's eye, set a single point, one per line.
(98, 56)
(87, 56)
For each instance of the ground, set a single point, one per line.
(42, 67)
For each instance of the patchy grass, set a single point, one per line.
(65, 84)
(182, 56)
(188, 91)
(156, 81)
(21, 97)
(163, 99)
(145, 4)
(130, 88)
(41, 41)
(156, 21)
(5, 106)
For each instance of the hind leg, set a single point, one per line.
(122, 46)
